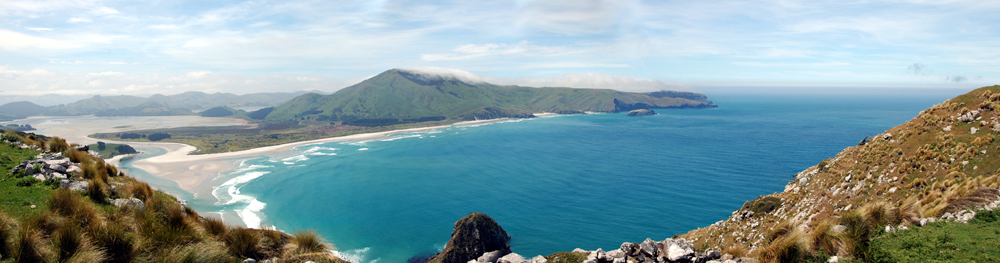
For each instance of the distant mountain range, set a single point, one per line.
(156, 105)
(400, 96)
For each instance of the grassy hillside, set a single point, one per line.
(20, 109)
(403, 96)
(939, 162)
(39, 222)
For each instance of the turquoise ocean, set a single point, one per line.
(554, 183)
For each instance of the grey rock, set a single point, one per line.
(511, 258)
(249, 260)
(73, 185)
(74, 170)
(617, 253)
(833, 259)
(923, 222)
(628, 248)
(579, 250)
(648, 247)
(131, 203)
(539, 259)
(889, 229)
(57, 175)
(712, 254)
(40, 177)
(679, 250)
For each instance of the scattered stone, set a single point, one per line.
(249, 260)
(679, 249)
(833, 259)
(886, 136)
(32, 206)
(948, 128)
(539, 259)
(648, 247)
(969, 116)
(973, 130)
(892, 190)
(579, 250)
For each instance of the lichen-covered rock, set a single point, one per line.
(512, 258)
(474, 235)
(131, 203)
(73, 185)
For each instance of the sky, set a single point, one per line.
(79, 47)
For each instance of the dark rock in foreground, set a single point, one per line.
(641, 112)
(474, 235)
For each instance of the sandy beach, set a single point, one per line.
(190, 172)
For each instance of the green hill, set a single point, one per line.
(20, 109)
(399, 96)
(163, 105)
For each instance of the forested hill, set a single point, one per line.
(400, 95)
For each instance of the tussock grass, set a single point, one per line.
(114, 240)
(196, 253)
(978, 198)
(214, 226)
(7, 232)
(97, 191)
(787, 248)
(824, 240)
(57, 144)
(72, 205)
(306, 242)
(29, 247)
(243, 243)
(71, 245)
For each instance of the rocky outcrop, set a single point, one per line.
(641, 112)
(670, 250)
(474, 235)
(47, 166)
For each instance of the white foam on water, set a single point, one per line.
(232, 188)
(363, 149)
(393, 138)
(354, 255)
(251, 215)
(295, 159)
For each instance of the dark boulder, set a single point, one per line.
(474, 235)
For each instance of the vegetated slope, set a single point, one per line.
(156, 105)
(98, 214)
(22, 109)
(934, 164)
(399, 95)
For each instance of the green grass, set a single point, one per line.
(16, 200)
(977, 241)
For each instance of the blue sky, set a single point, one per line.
(168, 47)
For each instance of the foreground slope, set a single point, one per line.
(400, 95)
(944, 161)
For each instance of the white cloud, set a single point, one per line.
(39, 29)
(523, 48)
(104, 11)
(592, 80)
(79, 20)
(105, 74)
(447, 73)
(16, 41)
(197, 74)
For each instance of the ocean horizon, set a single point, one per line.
(555, 183)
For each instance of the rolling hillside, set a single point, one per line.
(399, 95)
(156, 105)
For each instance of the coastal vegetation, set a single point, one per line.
(116, 218)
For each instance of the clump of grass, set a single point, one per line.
(57, 144)
(46, 222)
(198, 252)
(7, 227)
(29, 247)
(72, 246)
(76, 156)
(243, 242)
(737, 250)
(305, 242)
(566, 257)
(787, 248)
(763, 204)
(97, 191)
(214, 226)
(114, 240)
(71, 205)
(978, 198)
(824, 240)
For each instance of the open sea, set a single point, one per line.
(554, 183)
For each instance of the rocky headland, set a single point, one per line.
(641, 112)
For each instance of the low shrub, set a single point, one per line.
(26, 181)
(243, 242)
